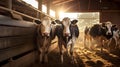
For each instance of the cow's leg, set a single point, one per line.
(46, 55)
(116, 43)
(72, 48)
(43, 50)
(90, 43)
(71, 52)
(61, 50)
(84, 41)
(102, 42)
(41, 55)
(108, 44)
(46, 50)
(67, 48)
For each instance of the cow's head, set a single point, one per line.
(46, 26)
(107, 26)
(66, 24)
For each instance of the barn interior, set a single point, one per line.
(17, 45)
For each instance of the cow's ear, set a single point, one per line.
(103, 24)
(37, 21)
(58, 21)
(114, 25)
(53, 22)
(74, 21)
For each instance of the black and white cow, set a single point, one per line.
(45, 31)
(116, 35)
(67, 33)
(101, 33)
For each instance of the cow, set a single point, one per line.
(45, 32)
(67, 32)
(101, 33)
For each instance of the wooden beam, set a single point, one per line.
(16, 50)
(63, 2)
(48, 6)
(56, 1)
(6, 9)
(39, 8)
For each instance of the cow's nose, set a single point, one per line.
(67, 34)
(45, 34)
(109, 33)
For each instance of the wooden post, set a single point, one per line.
(48, 6)
(39, 16)
(10, 4)
(100, 10)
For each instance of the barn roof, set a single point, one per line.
(84, 5)
(66, 5)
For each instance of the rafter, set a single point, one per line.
(62, 2)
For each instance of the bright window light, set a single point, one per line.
(34, 3)
(70, 15)
(44, 9)
(52, 13)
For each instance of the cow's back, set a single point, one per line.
(96, 30)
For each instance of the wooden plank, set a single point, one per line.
(25, 10)
(13, 41)
(6, 9)
(8, 21)
(14, 51)
(15, 31)
(23, 61)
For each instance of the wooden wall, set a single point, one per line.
(114, 17)
(17, 42)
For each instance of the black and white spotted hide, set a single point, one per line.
(102, 33)
(67, 33)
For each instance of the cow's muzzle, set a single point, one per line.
(67, 34)
(46, 34)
